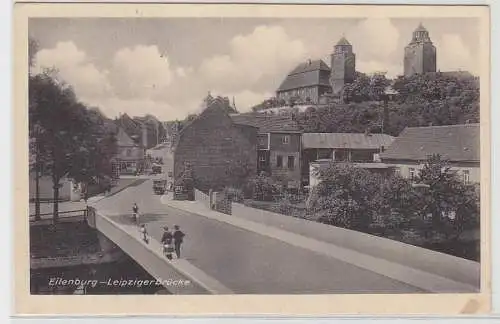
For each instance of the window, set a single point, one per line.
(466, 176)
(285, 139)
(279, 161)
(397, 172)
(411, 171)
(291, 162)
(262, 158)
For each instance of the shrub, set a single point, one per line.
(261, 187)
(233, 194)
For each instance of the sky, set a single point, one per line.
(166, 66)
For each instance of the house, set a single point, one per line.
(219, 152)
(150, 130)
(130, 155)
(360, 149)
(279, 145)
(308, 81)
(68, 189)
(459, 144)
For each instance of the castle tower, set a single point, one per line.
(343, 66)
(420, 54)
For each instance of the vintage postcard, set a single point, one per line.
(251, 159)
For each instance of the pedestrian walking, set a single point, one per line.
(166, 241)
(135, 210)
(144, 233)
(178, 239)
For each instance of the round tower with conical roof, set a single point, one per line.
(420, 54)
(343, 65)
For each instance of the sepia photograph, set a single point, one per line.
(265, 154)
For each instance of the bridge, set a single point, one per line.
(258, 252)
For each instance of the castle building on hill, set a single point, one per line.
(343, 65)
(420, 54)
(309, 81)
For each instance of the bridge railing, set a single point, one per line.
(438, 263)
(150, 257)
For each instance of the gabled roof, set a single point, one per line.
(267, 123)
(310, 73)
(453, 142)
(346, 140)
(123, 139)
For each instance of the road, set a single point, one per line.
(245, 261)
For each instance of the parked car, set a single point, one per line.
(156, 169)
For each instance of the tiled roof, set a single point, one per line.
(267, 123)
(310, 73)
(123, 139)
(346, 140)
(452, 142)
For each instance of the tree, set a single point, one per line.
(453, 205)
(32, 51)
(91, 164)
(71, 146)
(346, 196)
(35, 130)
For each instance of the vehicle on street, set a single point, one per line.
(159, 186)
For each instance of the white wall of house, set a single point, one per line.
(46, 190)
(406, 169)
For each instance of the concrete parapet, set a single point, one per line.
(151, 258)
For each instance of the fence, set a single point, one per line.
(202, 197)
(68, 215)
(215, 200)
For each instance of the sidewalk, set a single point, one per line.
(159, 267)
(426, 280)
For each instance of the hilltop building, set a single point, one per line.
(314, 82)
(420, 54)
(309, 81)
